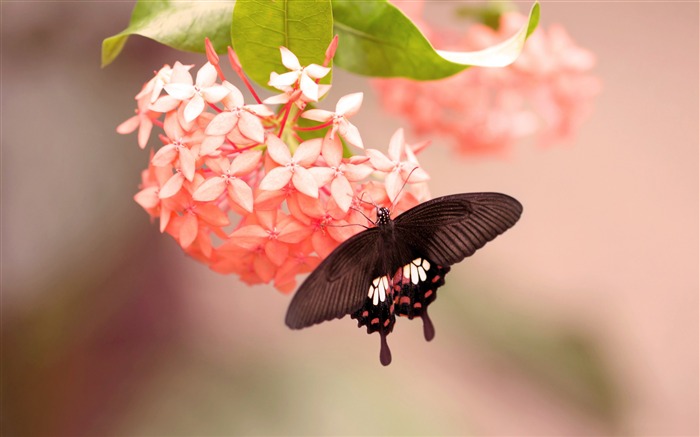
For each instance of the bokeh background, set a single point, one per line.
(581, 320)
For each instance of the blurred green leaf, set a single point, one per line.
(561, 357)
(182, 25)
(259, 29)
(377, 39)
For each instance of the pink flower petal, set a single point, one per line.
(148, 197)
(187, 163)
(165, 104)
(393, 185)
(348, 105)
(317, 115)
(277, 252)
(194, 108)
(188, 230)
(379, 161)
(351, 134)
(241, 193)
(278, 150)
(172, 186)
(180, 91)
(234, 99)
(129, 125)
(164, 156)
(211, 214)
(309, 88)
(396, 145)
(144, 131)
(165, 215)
(206, 76)
(323, 244)
(316, 71)
(215, 94)
(282, 81)
(289, 59)
(341, 190)
(332, 150)
(181, 74)
(245, 162)
(323, 175)
(294, 232)
(308, 151)
(356, 173)
(249, 236)
(276, 179)
(304, 181)
(260, 110)
(210, 145)
(251, 127)
(222, 124)
(264, 268)
(210, 190)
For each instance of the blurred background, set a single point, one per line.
(581, 320)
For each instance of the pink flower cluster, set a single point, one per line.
(238, 187)
(546, 93)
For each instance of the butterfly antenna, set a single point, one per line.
(393, 202)
(363, 214)
(346, 225)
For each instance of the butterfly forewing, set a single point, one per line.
(450, 228)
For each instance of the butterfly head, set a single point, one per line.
(383, 216)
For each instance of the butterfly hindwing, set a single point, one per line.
(338, 286)
(448, 229)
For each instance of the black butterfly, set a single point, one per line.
(396, 267)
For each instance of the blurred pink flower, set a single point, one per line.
(548, 92)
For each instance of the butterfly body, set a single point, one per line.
(396, 267)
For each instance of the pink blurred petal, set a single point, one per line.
(188, 230)
(260, 110)
(181, 74)
(308, 151)
(165, 104)
(323, 244)
(276, 179)
(304, 182)
(278, 150)
(241, 193)
(249, 236)
(264, 268)
(294, 232)
(245, 162)
(277, 252)
(234, 99)
(210, 190)
(211, 214)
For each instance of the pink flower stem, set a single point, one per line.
(214, 107)
(235, 63)
(158, 123)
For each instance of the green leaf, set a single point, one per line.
(259, 28)
(376, 39)
(182, 25)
